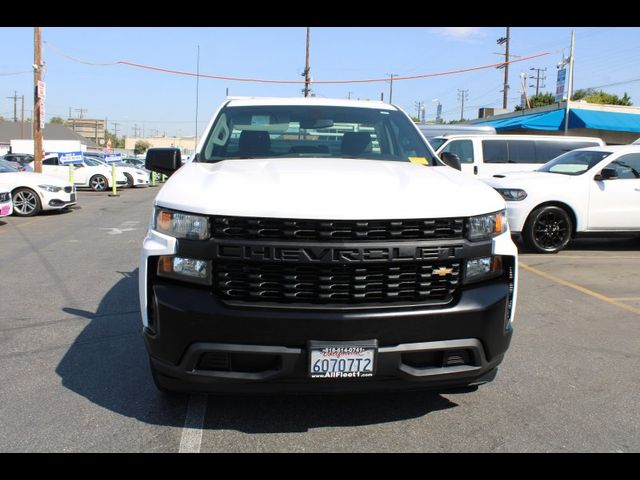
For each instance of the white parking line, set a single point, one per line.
(193, 424)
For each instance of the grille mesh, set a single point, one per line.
(336, 284)
(248, 228)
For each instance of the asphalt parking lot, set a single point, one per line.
(74, 373)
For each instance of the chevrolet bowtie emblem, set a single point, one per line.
(442, 271)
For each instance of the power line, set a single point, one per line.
(262, 80)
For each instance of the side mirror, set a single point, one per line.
(163, 160)
(606, 174)
(451, 159)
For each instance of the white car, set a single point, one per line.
(86, 174)
(587, 191)
(33, 192)
(6, 206)
(135, 177)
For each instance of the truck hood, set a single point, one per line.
(326, 188)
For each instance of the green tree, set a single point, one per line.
(540, 100)
(592, 95)
(57, 121)
(115, 141)
(141, 147)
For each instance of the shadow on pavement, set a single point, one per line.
(294, 414)
(611, 244)
(107, 364)
(614, 244)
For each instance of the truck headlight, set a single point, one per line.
(512, 194)
(188, 269)
(181, 225)
(483, 227)
(50, 188)
(484, 268)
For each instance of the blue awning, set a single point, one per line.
(621, 122)
(578, 118)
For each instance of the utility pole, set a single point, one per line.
(570, 86)
(349, 95)
(462, 95)
(35, 121)
(391, 75)
(505, 91)
(538, 78)
(307, 79)
(135, 130)
(115, 132)
(81, 110)
(15, 103)
(420, 109)
(22, 124)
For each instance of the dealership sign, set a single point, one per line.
(69, 158)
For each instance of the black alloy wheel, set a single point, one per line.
(548, 229)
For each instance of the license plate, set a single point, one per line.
(342, 360)
(73, 197)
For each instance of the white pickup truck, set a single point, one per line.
(317, 245)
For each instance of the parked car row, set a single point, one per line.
(26, 193)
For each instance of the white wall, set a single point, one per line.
(26, 146)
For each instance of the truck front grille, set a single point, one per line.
(336, 284)
(249, 228)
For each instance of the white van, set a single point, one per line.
(432, 131)
(486, 155)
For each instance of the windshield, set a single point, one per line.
(314, 131)
(436, 142)
(93, 162)
(575, 162)
(6, 167)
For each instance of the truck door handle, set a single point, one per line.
(475, 171)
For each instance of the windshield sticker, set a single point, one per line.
(419, 160)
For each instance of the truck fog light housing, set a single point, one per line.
(484, 268)
(187, 269)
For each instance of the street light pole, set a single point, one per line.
(570, 86)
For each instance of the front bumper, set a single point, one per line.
(189, 329)
(197, 342)
(58, 200)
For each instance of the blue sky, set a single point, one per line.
(166, 103)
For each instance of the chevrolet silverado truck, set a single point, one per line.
(318, 245)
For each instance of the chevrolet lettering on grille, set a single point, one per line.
(334, 254)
